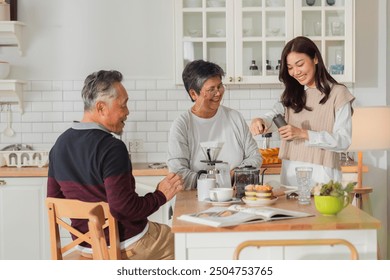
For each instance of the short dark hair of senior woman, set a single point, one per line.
(196, 73)
(208, 120)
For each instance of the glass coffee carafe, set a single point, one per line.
(243, 176)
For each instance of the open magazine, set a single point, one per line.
(237, 214)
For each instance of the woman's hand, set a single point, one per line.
(289, 132)
(257, 126)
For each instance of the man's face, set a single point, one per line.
(115, 113)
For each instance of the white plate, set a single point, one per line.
(221, 203)
(259, 202)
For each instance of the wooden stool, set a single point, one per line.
(359, 193)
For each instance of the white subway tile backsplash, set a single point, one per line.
(163, 126)
(249, 104)
(67, 85)
(156, 116)
(72, 116)
(62, 106)
(157, 137)
(156, 94)
(72, 95)
(166, 105)
(32, 117)
(42, 127)
(165, 84)
(179, 94)
(146, 126)
(41, 85)
(41, 106)
(52, 95)
(53, 116)
(32, 138)
(57, 85)
(136, 95)
(51, 107)
(137, 116)
(32, 96)
(145, 84)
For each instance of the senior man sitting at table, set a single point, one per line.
(208, 120)
(88, 163)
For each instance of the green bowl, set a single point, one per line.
(330, 205)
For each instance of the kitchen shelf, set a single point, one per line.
(11, 91)
(11, 34)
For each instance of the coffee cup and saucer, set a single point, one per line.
(221, 196)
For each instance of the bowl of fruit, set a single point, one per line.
(332, 197)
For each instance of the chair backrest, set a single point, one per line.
(59, 209)
(299, 242)
(96, 228)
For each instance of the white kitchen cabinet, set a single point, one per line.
(11, 34)
(147, 184)
(11, 92)
(24, 232)
(331, 27)
(236, 33)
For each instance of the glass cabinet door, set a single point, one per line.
(204, 30)
(329, 24)
(246, 37)
(262, 29)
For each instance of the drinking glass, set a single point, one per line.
(303, 175)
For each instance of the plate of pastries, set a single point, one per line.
(259, 195)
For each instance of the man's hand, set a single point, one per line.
(171, 185)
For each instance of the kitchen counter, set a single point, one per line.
(196, 241)
(142, 169)
(139, 169)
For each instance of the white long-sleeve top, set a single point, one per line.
(337, 141)
(227, 126)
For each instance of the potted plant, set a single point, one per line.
(332, 197)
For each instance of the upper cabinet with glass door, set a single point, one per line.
(246, 37)
(204, 30)
(262, 28)
(329, 23)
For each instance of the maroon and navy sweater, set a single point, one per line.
(89, 164)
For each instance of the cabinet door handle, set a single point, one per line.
(2, 182)
(230, 79)
(170, 212)
(239, 79)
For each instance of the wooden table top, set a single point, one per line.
(349, 218)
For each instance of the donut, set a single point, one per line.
(263, 192)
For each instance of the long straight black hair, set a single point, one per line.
(294, 93)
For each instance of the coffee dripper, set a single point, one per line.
(211, 151)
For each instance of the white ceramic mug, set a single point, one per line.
(204, 186)
(221, 194)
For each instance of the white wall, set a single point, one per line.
(66, 40)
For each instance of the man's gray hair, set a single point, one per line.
(99, 86)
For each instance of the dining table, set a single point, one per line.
(194, 241)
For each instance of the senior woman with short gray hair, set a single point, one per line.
(208, 120)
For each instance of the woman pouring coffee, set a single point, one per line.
(318, 113)
(208, 120)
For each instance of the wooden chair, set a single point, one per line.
(59, 209)
(289, 242)
(96, 222)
